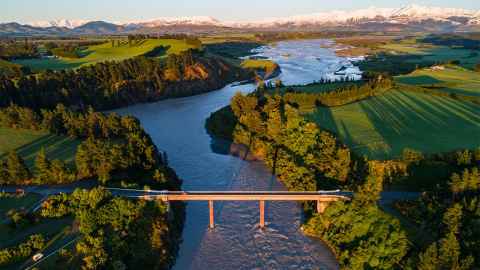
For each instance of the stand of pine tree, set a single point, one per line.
(115, 84)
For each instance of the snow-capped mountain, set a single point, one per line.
(334, 16)
(60, 23)
(422, 12)
(408, 18)
(407, 14)
(476, 19)
(168, 21)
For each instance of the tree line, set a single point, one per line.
(360, 233)
(115, 84)
(18, 49)
(341, 95)
(22, 251)
(363, 236)
(110, 144)
(449, 214)
(299, 152)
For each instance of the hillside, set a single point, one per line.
(105, 52)
(448, 79)
(28, 143)
(381, 127)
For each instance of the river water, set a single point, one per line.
(237, 242)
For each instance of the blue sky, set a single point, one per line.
(124, 10)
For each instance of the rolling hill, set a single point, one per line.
(105, 52)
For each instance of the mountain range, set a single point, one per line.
(408, 18)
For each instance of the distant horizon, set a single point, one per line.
(121, 12)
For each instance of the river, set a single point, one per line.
(237, 242)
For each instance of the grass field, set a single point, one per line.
(105, 52)
(381, 127)
(6, 64)
(451, 80)
(267, 65)
(266, 69)
(48, 227)
(25, 202)
(432, 53)
(27, 143)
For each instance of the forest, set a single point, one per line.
(113, 150)
(114, 84)
(111, 144)
(112, 232)
(362, 233)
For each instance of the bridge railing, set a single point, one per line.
(323, 198)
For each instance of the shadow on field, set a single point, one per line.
(419, 80)
(56, 147)
(422, 122)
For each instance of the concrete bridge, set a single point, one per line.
(322, 198)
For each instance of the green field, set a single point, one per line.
(52, 228)
(105, 52)
(6, 64)
(27, 143)
(433, 53)
(381, 127)
(259, 64)
(451, 79)
(25, 202)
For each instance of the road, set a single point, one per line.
(386, 196)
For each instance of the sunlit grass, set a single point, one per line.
(7, 64)
(433, 53)
(28, 143)
(105, 52)
(451, 79)
(381, 127)
(267, 65)
(48, 227)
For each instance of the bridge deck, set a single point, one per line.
(323, 196)
(247, 197)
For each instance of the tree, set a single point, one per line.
(363, 236)
(468, 181)
(18, 218)
(42, 168)
(92, 249)
(464, 157)
(60, 173)
(477, 67)
(16, 168)
(370, 192)
(446, 253)
(412, 156)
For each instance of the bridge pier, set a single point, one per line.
(210, 206)
(321, 206)
(262, 214)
